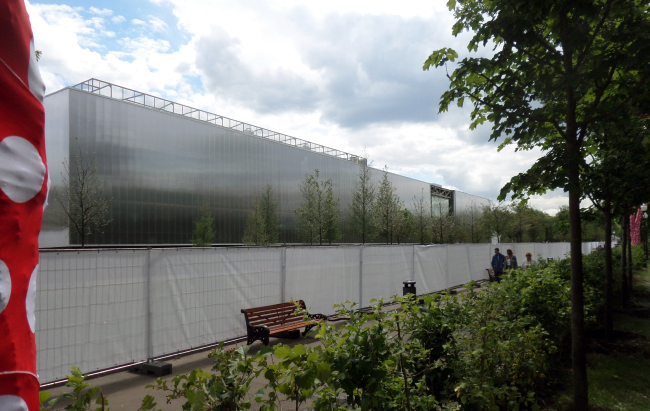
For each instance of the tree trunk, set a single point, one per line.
(630, 275)
(609, 289)
(624, 289)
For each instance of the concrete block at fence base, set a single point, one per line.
(156, 368)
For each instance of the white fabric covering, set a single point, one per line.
(99, 309)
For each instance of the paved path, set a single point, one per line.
(126, 389)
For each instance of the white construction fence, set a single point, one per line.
(99, 309)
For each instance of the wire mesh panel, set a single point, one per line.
(430, 268)
(322, 276)
(480, 258)
(197, 294)
(458, 265)
(520, 249)
(384, 270)
(559, 250)
(90, 310)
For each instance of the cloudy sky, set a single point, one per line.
(342, 73)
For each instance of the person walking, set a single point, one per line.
(511, 261)
(498, 263)
(528, 261)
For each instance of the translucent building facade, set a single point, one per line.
(162, 161)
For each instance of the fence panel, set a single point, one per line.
(322, 276)
(92, 306)
(430, 268)
(197, 294)
(90, 310)
(458, 266)
(480, 258)
(384, 270)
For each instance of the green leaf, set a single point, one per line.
(43, 396)
(282, 351)
(299, 349)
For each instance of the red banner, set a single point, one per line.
(23, 190)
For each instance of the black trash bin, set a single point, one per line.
(409, 287)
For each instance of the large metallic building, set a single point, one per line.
(162, 161)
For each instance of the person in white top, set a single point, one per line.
(528, 261)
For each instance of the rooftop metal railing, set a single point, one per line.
(136, 97)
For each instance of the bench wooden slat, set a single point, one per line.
(270, 307)
(262, 322)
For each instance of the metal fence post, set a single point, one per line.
(413, 269)
(283, 275)
(360, 276)
(149, 314)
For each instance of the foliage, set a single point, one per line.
(318, 216)
(387, 209)
(203, 228)
(263, 223)
(405, 226)
(421, 212)
(83, 396)
(496, 219)
(80, 203)
(227, 389)
(557, 71)
(469, 226)
(442, 223)
(360, 219)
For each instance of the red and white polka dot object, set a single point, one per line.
(23, 191)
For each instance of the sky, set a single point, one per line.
(342, 73)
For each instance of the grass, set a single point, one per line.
(619, 373)
(619, 383)
(620, 380)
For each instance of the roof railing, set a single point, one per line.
(136, 97)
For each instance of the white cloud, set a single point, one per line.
(344, 74)
(157, 24)
(100, 12)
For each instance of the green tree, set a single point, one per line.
(360, 218)
(80, 204)
(469, 225)
(421, 213)
(318, 216)
(405, 226)
(557, 70)
(263, 223)
(203, 228)
(331, 224)
(496, 220)
(387, 209)
(442, 223)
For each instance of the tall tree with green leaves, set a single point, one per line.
(263, 224)
(421, 212)
(331, 224)
(387, 208)
(405, 226)
(360, 218)
(557, 69)
(442, 223)
(318, 216)
(469, 224)
(497, 220)
(204, 233)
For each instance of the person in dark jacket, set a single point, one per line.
(511, 261)
(498, 262)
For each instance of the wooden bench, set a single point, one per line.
(276, 319)
(491, 274)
